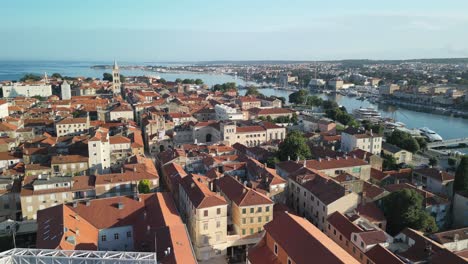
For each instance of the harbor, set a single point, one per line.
(448, 127)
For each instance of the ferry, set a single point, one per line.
(430, 134)
(367, 113)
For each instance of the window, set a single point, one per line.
(205, 213)
(355, 237)
(341, 237)
(243, 211)
(251, 210)
(259, 229)
(276, 249)
(289, 261)
(205, 226)
(362, 244)
(329, 227)
(259, 210)
(243, 231)
(251, 231)
(259, 219)
(334, 231)
(116, 236)
(243, 221)
(218, 224)
(218, 211)
(251, 220)
(103, 238)
(267, 218)
(129, 234)
(267, 209)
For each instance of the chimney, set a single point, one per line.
(75, 204)
(192, 185)
(169, 250)
(304, 165)
(120, 206)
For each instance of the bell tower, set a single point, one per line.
(115, 79)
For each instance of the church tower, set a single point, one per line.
(115, 79)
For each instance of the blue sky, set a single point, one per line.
(183, 30)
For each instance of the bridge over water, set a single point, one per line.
(448, 142)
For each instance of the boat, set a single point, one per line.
(431, 135)
(367, 113)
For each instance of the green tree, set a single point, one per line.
(432, 161)
(271, 162)
(422, 142)
(452, 162)
(298, 97)
(57, 76)
(122, 78)
(404, 208)
(461, 176)
(178, 80)
(294, 146)
(389, 162)
(31, 77)
(144, 186)
(225, 87)
(403, 140)
(294, 119)
(252, 91)
(162, 80)
(314, 100)
(107, 77)
(198, 81)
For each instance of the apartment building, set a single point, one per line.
(332, 167)
(10, 203)
(41, 192)
(352, 138)
(256, 113)
(292, 239)
(124, 183)
(72, 126)
(99, 152)
(121, 111)
(143, 223)
(225, 113)
(434, 180)
(247, 102)
(28, 90)
(205, 214)
(248, 210)
(365, 242)
(400, 155)
(69, 165)
(120, 148)
(315, 196)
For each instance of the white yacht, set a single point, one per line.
(430, 135)
(366, 113)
